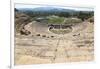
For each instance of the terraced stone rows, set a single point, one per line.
(62, 48)
(51, 51)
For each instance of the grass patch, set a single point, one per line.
(55, 20)
(72, 20)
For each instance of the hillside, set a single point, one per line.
(21, 20)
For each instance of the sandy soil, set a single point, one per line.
(75, 46)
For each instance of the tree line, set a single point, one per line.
(83, 15)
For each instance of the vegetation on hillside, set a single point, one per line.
(25, 16)
(21, 20)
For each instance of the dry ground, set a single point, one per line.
(70, 47)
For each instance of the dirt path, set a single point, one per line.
(60, 55)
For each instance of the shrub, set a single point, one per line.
(43, 35)
(52, 36)
(37, 34)
(91, 19)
